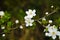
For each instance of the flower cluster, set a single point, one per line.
(28, 18)
(52, 31)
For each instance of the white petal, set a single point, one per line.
(34, 10)
(58, 33)
(48, 34)
(17, 21)
(3, 35)
(54, 37)
(3, 27)
(50, 21)
(44, 30)
(27, 12)
(21, 27)
(1, 13)
(32, 20)
(46, 13)
(52, 6)
(48, 26)
(30, 10)
(43, 18)
(25, 17)
(34, 14)
(30, 16)
(31, 24)
(27, 25)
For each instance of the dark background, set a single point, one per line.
(17, 6)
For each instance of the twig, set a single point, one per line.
(47, 15)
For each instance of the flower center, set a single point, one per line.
(53, 33)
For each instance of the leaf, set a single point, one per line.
(9, 24)
(21, 15)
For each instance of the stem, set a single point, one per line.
(47, 15)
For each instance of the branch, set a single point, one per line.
(47, 16)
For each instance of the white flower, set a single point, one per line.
(46, 13)
(52, 6)
(29, 22)
(52, 32)
(3, 35)
(50, 21)
(47, 34)
(2, 27)
(17, 21)
(31, 13)
(27, 17)
(1, 14)
(43, 18)
(21, 27)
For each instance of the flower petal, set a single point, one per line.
(54, 37)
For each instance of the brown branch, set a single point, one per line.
(47, 16)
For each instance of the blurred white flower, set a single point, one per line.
(3, 35)
(16, 21)
(50, 21)
(1, 14)
(21, 27)
(46, 13)
(28, 19)
(52, 6)
(52, 32)
(3, 27)
(29, 22)
(43, 18)
(31, 13)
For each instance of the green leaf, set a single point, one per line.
(21, 15)
(6, 31)
(9, 24)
